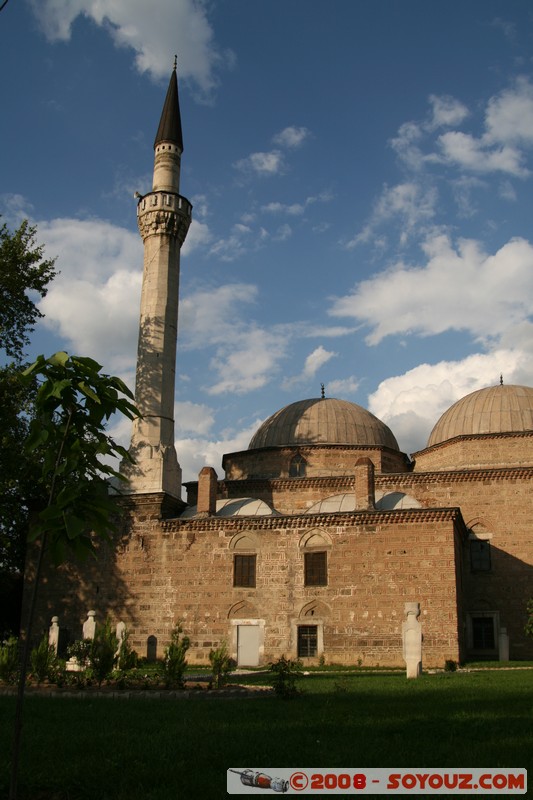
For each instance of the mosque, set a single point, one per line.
(322, 530)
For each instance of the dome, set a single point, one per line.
(323, 421)
(497, 409)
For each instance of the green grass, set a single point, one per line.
(103, 749)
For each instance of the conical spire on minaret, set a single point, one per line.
(170, 123)
(163, 216)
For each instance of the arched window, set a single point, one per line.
(297, 467)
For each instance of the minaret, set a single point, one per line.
(163, 217)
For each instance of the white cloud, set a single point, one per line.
(313, 363)
(509, 115)
(412, 403)
(248, 361)
(193, 418)
(197, 236)
(212, 316)
(93, 303)
(457, 289)
(291, 137)
(151, 31)
(412, 204)
(196, 453)
(446, 111)
(342, 387)
(468, 152)
(262, 164)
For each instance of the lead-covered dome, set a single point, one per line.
(323, 421)
(497, 409)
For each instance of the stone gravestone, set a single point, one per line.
(412, 640)
(120, 633)
(503, 645)
(53, 634)
(89, 626)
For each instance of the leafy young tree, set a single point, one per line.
(68, 439)
(24, 279)
(23, 271)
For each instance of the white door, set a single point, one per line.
(248, 645)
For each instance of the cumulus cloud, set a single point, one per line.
(470, 153)
(264, 164)
(197, 452)
(193, 418)
(459, 288)
(151, 31)
(248, 361)
(291, 137)
(412, 403)
(412, 204)
(312, 364)
(446, 111)
(93, 304)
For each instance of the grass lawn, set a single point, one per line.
(149, 749)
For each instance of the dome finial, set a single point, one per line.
(501, 380)
(175, 62)
(322, 391)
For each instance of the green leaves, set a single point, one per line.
(23, 271)
(73, 402)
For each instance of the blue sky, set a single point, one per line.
(362, 181)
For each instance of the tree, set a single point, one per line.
(67, 438)
(24, 278)
(22, 271)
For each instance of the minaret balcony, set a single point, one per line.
(164, 213)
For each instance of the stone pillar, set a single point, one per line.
(53, 634)
(503, 645)
(412, 640)
(207, 492)
(89, 626)
(364, 484)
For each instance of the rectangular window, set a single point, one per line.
(479, 555)
(316, 569)
(483, 633)
(244, 571)
(307, 641)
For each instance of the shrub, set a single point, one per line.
(103, 651)
(286, 672)
(9, 660)
(174, 662)
(529, 624)
(222, 664)
(450, 665)
(43, 660)
(127, 658)
(81, 651)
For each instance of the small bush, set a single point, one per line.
(9, 660)
(450, 665)
(43, 661)
(81, 651)
(103, 650)
(127, 658)
(175, 663)
(286, 672)
(222, 664)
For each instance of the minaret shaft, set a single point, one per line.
(163, 217)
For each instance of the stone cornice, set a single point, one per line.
(472, 437)
(342, 519)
